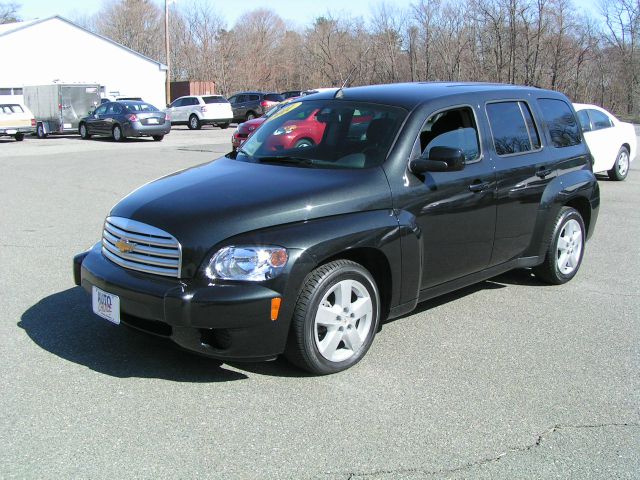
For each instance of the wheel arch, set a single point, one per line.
(377, 264)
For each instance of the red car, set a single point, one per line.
(303, 132)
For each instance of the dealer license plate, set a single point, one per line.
(106, 305)
(152, 120)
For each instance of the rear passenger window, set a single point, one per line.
(585, 122)
(512, 127)
(454, 128)
(560, 121)
(599, 120)
(253, 98)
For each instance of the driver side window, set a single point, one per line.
(455, 128)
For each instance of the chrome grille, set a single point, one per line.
(141, 247)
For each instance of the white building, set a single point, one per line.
(56, 50)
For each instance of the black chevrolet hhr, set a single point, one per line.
(404, 192)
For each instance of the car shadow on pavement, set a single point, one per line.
(64, 325)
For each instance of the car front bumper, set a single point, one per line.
(227, 322)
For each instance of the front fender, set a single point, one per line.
(312, 242)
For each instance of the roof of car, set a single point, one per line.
(410, 95)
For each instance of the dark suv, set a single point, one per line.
(250, 105)
(413, 190)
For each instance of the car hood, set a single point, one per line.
(207, 204)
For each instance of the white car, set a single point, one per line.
(612, 143)
(197, 110)
(16, 121)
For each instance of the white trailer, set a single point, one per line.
(59, 107)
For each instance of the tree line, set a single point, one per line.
(547, 43)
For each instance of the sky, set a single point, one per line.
(299, 12)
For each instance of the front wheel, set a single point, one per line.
(304, 143)
(84, 133)
(194, 122)
(117, 133)
(335, 319)
(158, 138)
(566, 248)
(620, 168)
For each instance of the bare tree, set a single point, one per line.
(9, 12)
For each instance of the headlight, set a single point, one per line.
(247, 263)
(285, 130)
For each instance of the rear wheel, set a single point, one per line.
(158, 138)
(194, 122)
(620, 168)
(223, 125)
(335, 319)
(250, 116)
(566, 248)
(117, 133)
(84, 133)
(19, 137)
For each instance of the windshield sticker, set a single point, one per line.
(284, 111)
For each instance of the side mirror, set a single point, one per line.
(90, 112)
(441, 159)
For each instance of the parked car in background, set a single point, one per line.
(307, 251)
(245, 129)
(126, 118)
(197, 110)
(612, 142)
(250, 105)
(119, 99)
(16, 121)
(291, 93)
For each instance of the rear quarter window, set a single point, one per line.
(599, 120)
(560, 121)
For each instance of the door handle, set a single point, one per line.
(478, 186)
(543, 172)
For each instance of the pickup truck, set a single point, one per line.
(414, 190)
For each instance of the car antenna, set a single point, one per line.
(339, 93)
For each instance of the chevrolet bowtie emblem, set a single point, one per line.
(125, 246)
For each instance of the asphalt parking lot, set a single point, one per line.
(508, 379)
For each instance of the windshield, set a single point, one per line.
(325, 134)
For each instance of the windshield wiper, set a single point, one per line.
(287, 160)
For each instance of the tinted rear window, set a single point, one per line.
(561, 122)
(141, 107)
(215, 99)
(273, 97)
(512, 127)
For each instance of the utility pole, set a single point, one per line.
(166, 49)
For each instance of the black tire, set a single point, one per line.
(250, 116)
(302, 349)
(194, 123)
(117, 134)
(621, 166)
(549, 271)
(19, 137)
(84, 131)
(223, 126)
(40, 131)
(304, 143)
(158, 138)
